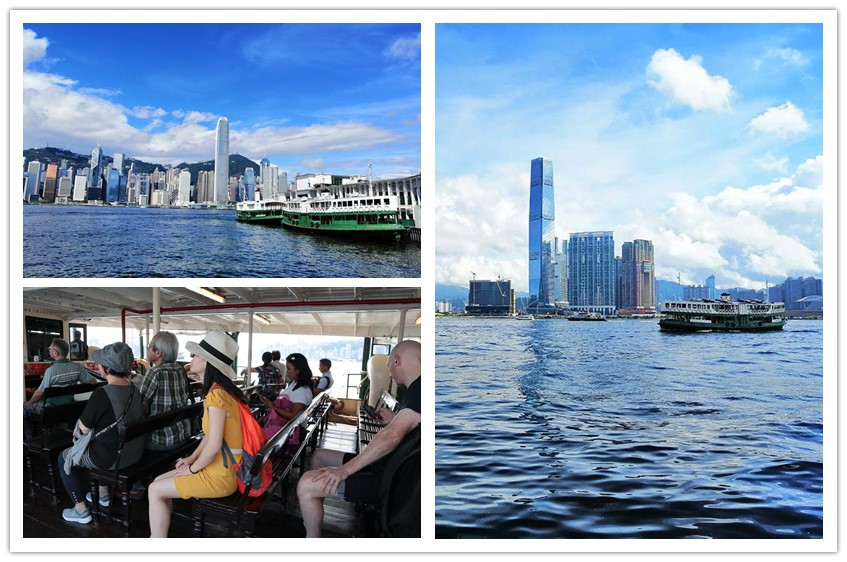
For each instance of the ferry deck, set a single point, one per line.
(380, 316)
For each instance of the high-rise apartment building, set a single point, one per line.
(591, 272)
(542, 217)
(118, 162)
(222, 162)
(63, 189)
(32, 178)
(636, 276)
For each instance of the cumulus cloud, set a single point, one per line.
(312, 138)
(687, 82)
(404, 48)
(782, 121)
(35, 48)
(314, 163)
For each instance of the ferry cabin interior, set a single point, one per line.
(380, 316)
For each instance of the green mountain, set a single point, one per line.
(237, 165)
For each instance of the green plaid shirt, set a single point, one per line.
(165, 388)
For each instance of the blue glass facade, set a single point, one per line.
(249, 184)
(542, 216)
(591, 272)
(113, 187)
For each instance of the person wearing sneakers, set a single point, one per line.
(117, 402)
(203, 474)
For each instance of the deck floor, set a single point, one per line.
(43, 518)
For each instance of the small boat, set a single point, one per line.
(524, 317)
(587, 317)
(724, 315)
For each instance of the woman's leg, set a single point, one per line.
(73, 482)
(159, 496)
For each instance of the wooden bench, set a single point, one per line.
(56, 423)
(368, 427)
(152, 463)
(240, 509)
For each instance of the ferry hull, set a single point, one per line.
(721, 325)
(347, 228)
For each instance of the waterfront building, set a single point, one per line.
(113, 186)
(486, 298)
(794, 290)
(283, 181)
(80, 184)
(710, 287)
(50, 178)
(561, 273)
(275, 179)
(542, 216)
(95, 173)
(63, 190)
(32, 177)
(221, 161)
(249, 184)
(142, 187)
(184, 195)
(636, 276)
(591, 272)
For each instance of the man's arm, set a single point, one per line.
(382, 444)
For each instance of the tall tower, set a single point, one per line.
(184, 187)
(95, 170)
(542, 217)
(636, 275)
(222, 162)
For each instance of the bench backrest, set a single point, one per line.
(144, 426)
(70, 389)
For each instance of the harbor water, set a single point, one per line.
(556, 429)
(86, 241)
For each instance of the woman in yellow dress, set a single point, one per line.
(202, 474)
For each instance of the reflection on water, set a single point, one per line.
(554, 429)
(84, 241)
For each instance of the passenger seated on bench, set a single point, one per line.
(294, 399)
(203, 474)
(104, 408)
(164, 388)
(357, 477)
(61, 373)
(268, 374)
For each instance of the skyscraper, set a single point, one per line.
(636, 276)
(249, 184)
(95, 170)
(542, 217)
(591, 272)
(222, 162)
(184, 187)
(118, 162)
(50, 179)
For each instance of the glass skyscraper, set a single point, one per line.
(542, 217)
(222, 162)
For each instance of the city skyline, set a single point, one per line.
(705, 139)
(309, 97)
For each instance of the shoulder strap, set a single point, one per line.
(126, 408)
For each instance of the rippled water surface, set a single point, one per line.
(556, 429)
(82, 241)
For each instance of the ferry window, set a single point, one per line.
(39, 335)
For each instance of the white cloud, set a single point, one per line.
(782, 121)
(405, 48)
(35, 48)
(687, 82)
(312, 138)
(146, 112)
(788, 57)
(314, 163)
(771, 162)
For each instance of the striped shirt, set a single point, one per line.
(62, 373)
(165, 388)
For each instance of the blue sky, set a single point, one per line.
(704, 138)
(310, 97)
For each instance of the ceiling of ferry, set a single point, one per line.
(329, 311)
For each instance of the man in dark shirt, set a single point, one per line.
(357, 477)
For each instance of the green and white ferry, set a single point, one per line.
(358, 207)
(722, 315)
(261, 212)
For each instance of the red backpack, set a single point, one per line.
(252, 439)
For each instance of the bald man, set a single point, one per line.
(354, 477)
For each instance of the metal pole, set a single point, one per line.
(157, 309)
